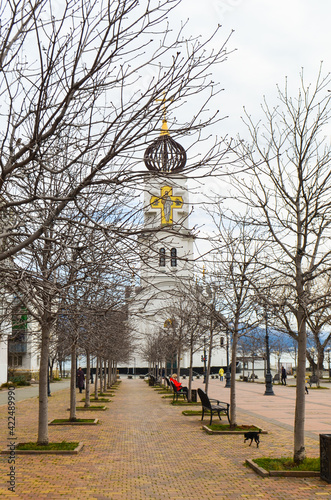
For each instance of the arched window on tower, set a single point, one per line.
(162, 257)
(173, 254)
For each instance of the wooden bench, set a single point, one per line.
(213, 406)
(168, 382)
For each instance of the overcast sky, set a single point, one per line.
(273, 40)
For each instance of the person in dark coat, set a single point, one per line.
(284, 375)
(80, 379)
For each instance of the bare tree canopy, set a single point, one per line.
(287, 188)
(82, 84)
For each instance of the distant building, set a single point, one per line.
(19, 351)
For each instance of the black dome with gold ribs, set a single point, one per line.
(165, 154)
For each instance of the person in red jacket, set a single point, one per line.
(177, 384)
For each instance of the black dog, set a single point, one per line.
(253, 436)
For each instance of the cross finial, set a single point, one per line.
(164, 128)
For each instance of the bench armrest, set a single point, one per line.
(216, 401)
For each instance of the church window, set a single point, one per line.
(173, 257)
(162, 257)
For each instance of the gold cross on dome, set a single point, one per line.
(164, 128)
(167, 204)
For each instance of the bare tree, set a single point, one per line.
(236, 272)
(287, 187)
(188, 324)
(82, 84)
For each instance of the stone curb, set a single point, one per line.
(52, 422)
(100, 400)
(259, 470)
(82, 408)
(44, 452)
(209, 431)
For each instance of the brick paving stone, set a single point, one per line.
(145, 448)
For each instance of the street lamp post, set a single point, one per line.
(268, 377)
(228, 374)
(329, 361)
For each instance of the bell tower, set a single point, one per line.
(166, 241)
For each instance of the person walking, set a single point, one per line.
(284, 375)
(221, 374)
(80, 379)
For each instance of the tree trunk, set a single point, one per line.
(178, 356)
(87, 381)
(109, 374)
(101, 375)
(190, 374)
(96, 380)
(43, 384)
(233, 404)
(51, 375)
(72, 416)
(105, 376)
(320, 361)
(299, 423)
(210, 350)
(115, 371)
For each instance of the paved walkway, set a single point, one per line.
(32, 391)
(145, 448)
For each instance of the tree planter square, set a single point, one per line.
(281, 473)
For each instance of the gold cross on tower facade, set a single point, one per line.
(166, 203)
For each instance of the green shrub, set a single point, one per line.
(7, 384)
(19, 381)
